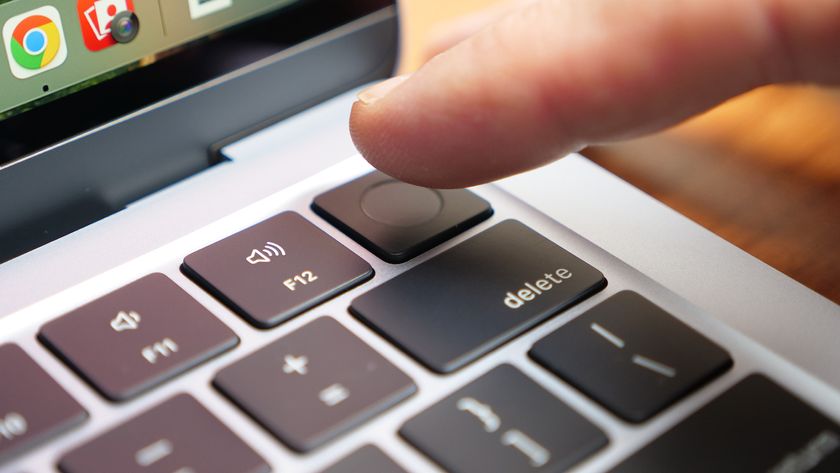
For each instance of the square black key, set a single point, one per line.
(755, 426)
(459, 305)
(137, 337)
(631, 356)
(276, 269)
(33, 407)
(177, 436)
(367, 459)
(314, 384)
(503, 422)
(398, 221)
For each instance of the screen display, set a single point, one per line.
(54, 48)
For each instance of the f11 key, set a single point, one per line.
(137, 337)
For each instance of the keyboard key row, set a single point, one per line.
(501, 422)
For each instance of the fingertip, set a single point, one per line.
(371, 127)
(371, 140)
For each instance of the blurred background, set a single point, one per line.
(762, 170)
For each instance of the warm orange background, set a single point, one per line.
(762, 171)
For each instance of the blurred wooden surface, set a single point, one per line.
(762, 171)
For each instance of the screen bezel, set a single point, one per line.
(85, 178)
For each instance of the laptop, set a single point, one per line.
(201, 275)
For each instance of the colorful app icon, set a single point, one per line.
(96, 17)
(200, 8)
(34, 42)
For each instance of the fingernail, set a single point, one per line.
(377, 92)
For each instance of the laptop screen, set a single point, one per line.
(67, 66)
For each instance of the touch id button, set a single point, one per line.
(401, 205)
(398, 221)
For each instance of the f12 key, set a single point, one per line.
(276, 269)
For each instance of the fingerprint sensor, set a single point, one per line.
(399, 204)
(397, 221)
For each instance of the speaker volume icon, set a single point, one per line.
(125, 321)
(265, 254)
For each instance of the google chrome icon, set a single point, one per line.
(34, 42)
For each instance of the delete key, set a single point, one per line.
(469, 300)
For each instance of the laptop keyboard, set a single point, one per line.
(312, 388)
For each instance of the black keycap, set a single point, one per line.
(177, 436)
(631, 356)
(367, 459)
(503, 422)
(33, 407)
(472, 298)
(756, 426)
(137, 337)
(314, 384)
(398, 221)
(276, 269)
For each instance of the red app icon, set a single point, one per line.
(96, 16)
